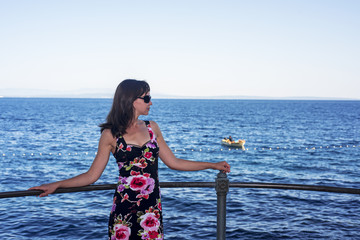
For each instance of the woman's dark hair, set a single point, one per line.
(122, 111)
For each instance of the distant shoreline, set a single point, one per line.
(108, 94)
(190, 98)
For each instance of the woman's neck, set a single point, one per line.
(135, 123)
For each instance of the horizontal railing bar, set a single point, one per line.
(187, 184)
(191, 185)
(59, 190)
(104, 187)
(317, 188)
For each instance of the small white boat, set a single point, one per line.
(236, 144)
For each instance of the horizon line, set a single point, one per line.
(195, 98)
(107, 93)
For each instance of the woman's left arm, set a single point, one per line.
(170, 160)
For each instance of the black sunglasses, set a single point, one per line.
(146, 98)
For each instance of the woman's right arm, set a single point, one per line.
(106, 145)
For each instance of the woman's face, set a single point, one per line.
(142, 104)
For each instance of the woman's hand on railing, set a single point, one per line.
(46, 188)
(222, 166)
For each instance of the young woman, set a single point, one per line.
(136, 146)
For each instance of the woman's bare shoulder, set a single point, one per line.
(107, 136)
(107, 140)
(154, 125)
(156, 128)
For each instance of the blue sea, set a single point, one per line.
(298, 142)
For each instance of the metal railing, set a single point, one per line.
(221, 186)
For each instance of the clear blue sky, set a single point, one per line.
(275, 48)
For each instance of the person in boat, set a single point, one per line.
(231, 139)
(136, 146)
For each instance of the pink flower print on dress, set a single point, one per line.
(154, 211)
(141, 183)
(144, 193)
(120, 165)
(141, 163)
(120, 147)
(122, 181)
(121, 232)
(158, 204)
(134, 173)
(120, 188)
(148, 155)
(121, 184)
(153, 234)
(149, 222)
(137, 183)
(126, 197)
(151, 144)
(151, 133)
(150, 184)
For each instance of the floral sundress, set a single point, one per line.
(136, 211)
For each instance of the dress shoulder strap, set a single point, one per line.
(151, 133)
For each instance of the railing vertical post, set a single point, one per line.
(222, 188)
